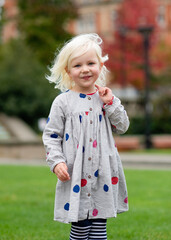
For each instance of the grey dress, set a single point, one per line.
(79, 133)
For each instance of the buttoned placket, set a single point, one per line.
(89, 162)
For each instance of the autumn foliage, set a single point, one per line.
(134, 13)
(126, 52)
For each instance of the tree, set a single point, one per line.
(42, 25)
(126, 52)
(24, 91)
(162, 67)
(134, 13)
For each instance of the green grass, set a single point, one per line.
(151, 151)
(27, 198)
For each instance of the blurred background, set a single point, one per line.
(137, 39)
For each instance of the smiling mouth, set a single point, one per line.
(86, 77)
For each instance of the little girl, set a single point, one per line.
(79, 143)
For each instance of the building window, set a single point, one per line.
(89, 1)
(161, 16)
(1, 5)
(86, 23)
(113, 18)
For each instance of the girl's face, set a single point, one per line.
(84, 71)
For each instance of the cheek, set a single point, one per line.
(97, 71)
(73, 74)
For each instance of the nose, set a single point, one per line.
(85, 68)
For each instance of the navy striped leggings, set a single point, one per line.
(89, 230)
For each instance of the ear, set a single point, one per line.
(66, 69)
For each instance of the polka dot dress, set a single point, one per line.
(79, 133)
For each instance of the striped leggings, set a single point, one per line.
(89, 230)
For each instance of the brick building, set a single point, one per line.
(10, 30)
(99, 16)
(93, 16)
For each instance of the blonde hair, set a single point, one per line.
(76, 47)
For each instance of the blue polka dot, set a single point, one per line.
(96, 174)
(82, 95)
(48, 120)
(80, 118)
(100, 117)
(66, 206)
(106, 188)
(67, 90)
(83, 149)
(67, 136)
(76, 188)
(54, 135)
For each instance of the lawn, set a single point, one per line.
(152, 151)
(27, 197)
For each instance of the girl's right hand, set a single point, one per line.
(61, 171)
(105, 94)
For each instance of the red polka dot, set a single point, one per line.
(95, 144)
(83, 182)
(114, 180)
(95, 212)
(86, 113)
(126, 200)
(47, 155)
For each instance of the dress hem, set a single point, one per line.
(113, 216)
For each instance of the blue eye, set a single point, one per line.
(77, 65)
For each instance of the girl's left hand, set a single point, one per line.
(105, 94)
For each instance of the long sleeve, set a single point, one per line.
(53, 135)
(78, 132)
(117, 116)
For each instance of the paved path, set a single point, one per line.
(129, 160)
(18, 161)
(146, 161)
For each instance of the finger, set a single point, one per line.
(66, 170)
(100, 89)
(67, 177)
(61, 172)
(106, 91)
(65, 167)
(97, 86)
(63, 177)
(65, 173)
